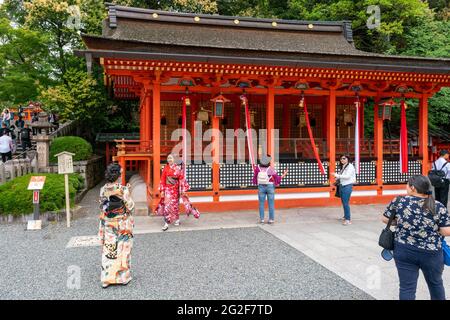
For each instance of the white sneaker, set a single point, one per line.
(166, 226)
(177, 223)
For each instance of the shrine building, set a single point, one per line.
(159, 58)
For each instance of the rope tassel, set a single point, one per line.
(248, 125)
(403, 139)
(311, 137)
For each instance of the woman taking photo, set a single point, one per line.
(265, 176)
(116, 228)
(344, 182)
(421, 224)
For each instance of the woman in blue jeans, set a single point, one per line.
(421, 225)
(346, 178)
(267, 179)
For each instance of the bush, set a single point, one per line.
(15, 199)
(77, 145)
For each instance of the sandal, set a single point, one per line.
(346, 223)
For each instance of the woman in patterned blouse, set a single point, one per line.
(421, 224)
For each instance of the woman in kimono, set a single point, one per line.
(116, 228)
(172, 187)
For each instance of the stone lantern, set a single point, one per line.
(42, 139)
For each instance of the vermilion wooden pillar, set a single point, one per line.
(378, 145)
(149, 116)
(270, 121)
(331, 134)
(156, 141)
(423, 133)
(216, 148)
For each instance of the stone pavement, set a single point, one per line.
(351, 252)
(307, 254)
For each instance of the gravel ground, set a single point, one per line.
(242, 263)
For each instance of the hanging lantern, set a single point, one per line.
(202, 115)
(385, 110)
(301, 120)
(348, 118)
(252, 118)
(219, 106)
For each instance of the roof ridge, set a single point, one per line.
(117, 8)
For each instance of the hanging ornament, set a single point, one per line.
(403, 139)
(348, 118)
(248, 125)
(301, 120)
(252, 118)
(357, 144)
(203, 115)
(311, 137)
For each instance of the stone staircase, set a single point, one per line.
(139, 195)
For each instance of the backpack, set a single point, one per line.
(437, 177)
(263, 177)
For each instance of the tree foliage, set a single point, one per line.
(37, 39)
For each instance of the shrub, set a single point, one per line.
(80, 147)
(15, 199)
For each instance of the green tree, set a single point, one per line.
(396, 16)
(23, 63)
(80, 97)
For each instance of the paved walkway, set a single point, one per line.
(307, 254)
(352, 252)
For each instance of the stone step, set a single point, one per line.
(139, 195)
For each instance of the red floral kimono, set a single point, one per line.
(173, 183)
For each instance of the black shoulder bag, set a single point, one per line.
(386, 239)
(338, 185)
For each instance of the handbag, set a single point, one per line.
(338, 189)
(446, 252)
(387, 236)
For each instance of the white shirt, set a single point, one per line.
(438, 165)
(5, 143)
(348, 176)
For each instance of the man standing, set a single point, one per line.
(6, 146)
(25, 138)
(441, 193)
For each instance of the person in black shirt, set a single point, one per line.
(25, 137)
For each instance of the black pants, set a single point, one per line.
(6, 156)
(26, 143)
(442, 193)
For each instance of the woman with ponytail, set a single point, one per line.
(421, 225)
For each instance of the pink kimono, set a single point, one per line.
(173, 184)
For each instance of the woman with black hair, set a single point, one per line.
(267, 179)
(421, 225)
(116, 228)
(344, 182)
